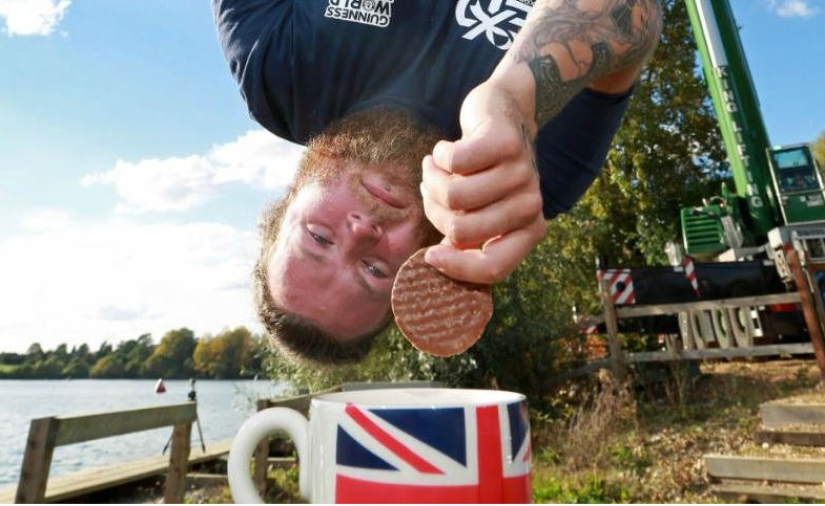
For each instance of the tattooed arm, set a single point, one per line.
(483, 189)
(570, 44)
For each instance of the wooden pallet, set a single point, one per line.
(73, 485)
(771, 479)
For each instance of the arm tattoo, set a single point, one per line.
(553, 92)
(595, 40)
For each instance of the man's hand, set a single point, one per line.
(483, 190)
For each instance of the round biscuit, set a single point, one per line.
(437, 314)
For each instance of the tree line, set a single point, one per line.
(231, 354)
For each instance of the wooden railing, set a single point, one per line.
(45, 434)
(807, 295)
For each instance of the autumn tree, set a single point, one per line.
(172, 358)
(35, 351)
(76, 368)
(109, 367)
(226, 355)
(135, 353)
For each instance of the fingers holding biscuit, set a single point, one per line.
(492, 263)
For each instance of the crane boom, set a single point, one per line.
(737, 109)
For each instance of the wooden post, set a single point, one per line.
(34, 473)
(819, 308)
(618, 365)
(178, 464)
(261, 456)
(811, 306)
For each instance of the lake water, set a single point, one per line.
(222, 408)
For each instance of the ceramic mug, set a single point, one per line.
(407, 445)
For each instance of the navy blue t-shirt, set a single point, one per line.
(302, 64)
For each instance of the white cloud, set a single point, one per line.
(257, 158)
(32, 17)
(792, 8)
(171, 184)
(74, 282)
(46, 219)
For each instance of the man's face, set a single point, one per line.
(340, 245)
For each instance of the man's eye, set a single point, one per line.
(374, 271)
(323, 241)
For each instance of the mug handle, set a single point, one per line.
(255, 429)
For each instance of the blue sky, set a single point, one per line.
(132, 176)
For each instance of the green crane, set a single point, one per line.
(775, 186)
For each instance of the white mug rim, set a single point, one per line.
(417, 398)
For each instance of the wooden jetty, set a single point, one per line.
(47, 433)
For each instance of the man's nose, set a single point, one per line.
(364, 228)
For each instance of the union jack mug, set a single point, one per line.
(406, 445)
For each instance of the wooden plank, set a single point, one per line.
(758, 468)
(769, 494)
(83, 483)
(796, 438)
(34, 472)
(778, 414)
(76, 429)
(175, 487)
(727, 353)
(666, 309)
